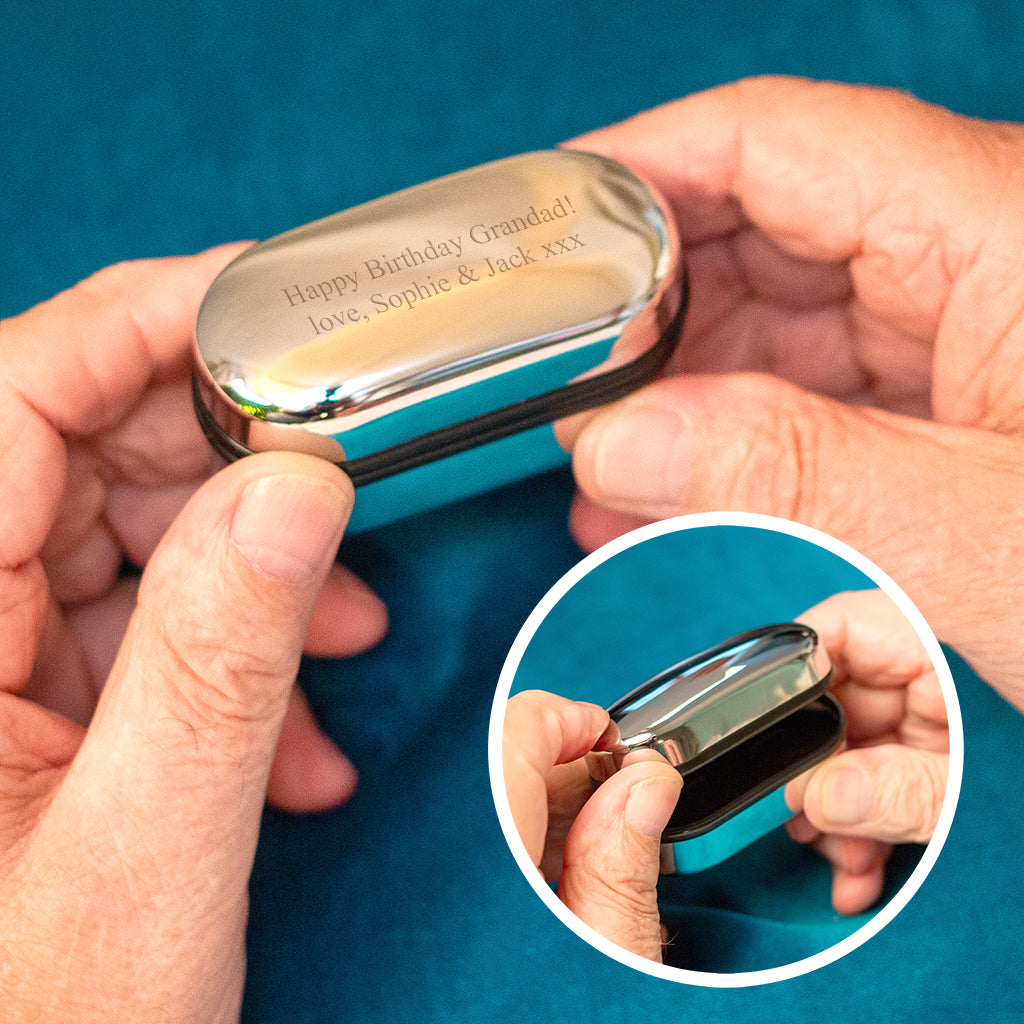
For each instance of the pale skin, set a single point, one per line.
(852, 358)
(141, 725)
(603, 847)
(889, 784)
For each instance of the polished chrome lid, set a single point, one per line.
(386, 307)
(704, 706)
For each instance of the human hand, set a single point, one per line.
(852, 354)
(603, 847)
(129, 817)
(889, 784)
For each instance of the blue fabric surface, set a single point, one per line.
(147, 129)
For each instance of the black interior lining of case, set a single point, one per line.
(738, 778)
(490, 426)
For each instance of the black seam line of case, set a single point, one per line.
(775, 760)
(490, 426)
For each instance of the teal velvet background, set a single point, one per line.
(148, 129)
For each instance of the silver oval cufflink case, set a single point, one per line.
(426, 340)
(737, 721)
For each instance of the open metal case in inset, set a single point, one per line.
(738, 722)
(426, 340)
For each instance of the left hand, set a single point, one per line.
(603, 847)
(99, 451)
(129, 817)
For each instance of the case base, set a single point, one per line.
(459, 476)
(731, 836)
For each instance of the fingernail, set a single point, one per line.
(650, 804)
(289, 525)
(640, 454)
(846, 797)
(610, 739)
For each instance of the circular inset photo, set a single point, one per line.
(725, 749)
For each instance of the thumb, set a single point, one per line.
(744, 442)
(187, 725)
(890, 792)
(872, 478)
(612, 854)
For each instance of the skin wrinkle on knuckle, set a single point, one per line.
(997, 376)
(990, 280)
(911, 800)
(777, 470)
(104, 295)
(909, 279)
(112, 287)
(931, 791)
(531, 712)
(921, 734)
(217, 685)
(549, 726)
(617, 888)
(793, 485)
(621, 916)
(611, 863)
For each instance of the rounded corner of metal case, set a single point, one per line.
(226, 446)
(714, 700)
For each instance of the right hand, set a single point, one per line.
(888, 786)
(853, 354)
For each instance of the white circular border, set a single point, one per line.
(917, 876)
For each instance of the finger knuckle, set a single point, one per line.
(778, 469)
(619, 888)
(621, 906)
(913, 802)
(214, 679)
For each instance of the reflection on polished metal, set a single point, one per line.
(447, 304)
(738, 722)
(704, 706)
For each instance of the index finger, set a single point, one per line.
(77, 364)
(107, 338)
(916, 201)
(542, 730)
(821, 167)
(883, 673)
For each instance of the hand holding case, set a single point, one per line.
(738, 722)
(425, 340)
